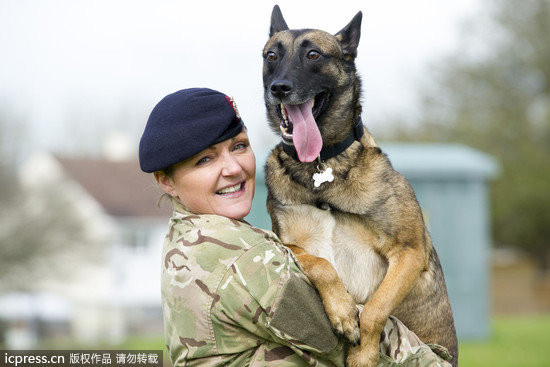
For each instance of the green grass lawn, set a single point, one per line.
(515, 341)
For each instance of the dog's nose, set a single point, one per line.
(281, 88)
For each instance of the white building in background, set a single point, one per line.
(117, 292)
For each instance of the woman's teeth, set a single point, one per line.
(229, 190)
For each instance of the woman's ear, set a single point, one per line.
(165, 183)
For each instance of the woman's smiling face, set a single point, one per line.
(218, 180)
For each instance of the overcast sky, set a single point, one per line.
(77, 69)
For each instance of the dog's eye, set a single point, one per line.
(271, 56)
(313, 55)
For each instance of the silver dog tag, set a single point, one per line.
(323, 175)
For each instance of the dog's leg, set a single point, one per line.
(339, 304)
(404, 267)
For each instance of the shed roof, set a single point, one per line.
(120, 187)
(440, 161)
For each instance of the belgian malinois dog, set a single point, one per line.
(352, 221)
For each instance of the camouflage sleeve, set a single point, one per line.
(399, 345)
(265, 293)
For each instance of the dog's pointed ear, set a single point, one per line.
(349, 36)
(277, 21)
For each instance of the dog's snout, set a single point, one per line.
(281, 88)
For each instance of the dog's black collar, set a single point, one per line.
(333, 150)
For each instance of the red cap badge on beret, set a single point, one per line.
(232, 103)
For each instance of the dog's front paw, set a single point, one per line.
(362, 356)
(344, 316)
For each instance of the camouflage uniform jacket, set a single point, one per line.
(233, 295)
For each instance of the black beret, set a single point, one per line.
(184, 123)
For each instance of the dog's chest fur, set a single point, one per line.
(339, 238)
(344, 234)
(359, 266)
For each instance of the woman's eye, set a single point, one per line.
(203, 160)
(271, 56)
(313, 55)
(240, 146)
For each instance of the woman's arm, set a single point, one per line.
(265, 293)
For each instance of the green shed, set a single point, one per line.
(451, 183)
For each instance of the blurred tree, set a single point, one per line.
(37, 229)
(494, 94)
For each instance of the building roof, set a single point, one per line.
(120, 187)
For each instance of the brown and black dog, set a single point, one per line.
(353, 222)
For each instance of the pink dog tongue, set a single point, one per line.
(305, 134)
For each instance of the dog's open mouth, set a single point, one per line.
(299, 127)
